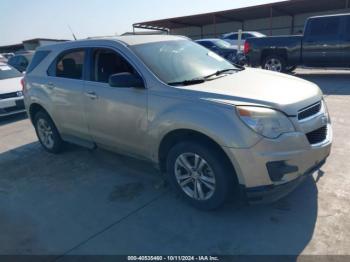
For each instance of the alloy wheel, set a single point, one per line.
(195, 176)
(273, 64)
(45, 133)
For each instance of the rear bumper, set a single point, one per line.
(272, 193)
(11, 106)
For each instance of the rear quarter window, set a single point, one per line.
(37, 59)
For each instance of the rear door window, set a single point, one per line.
(69, 65)
(245, 36)
(232, 37)
(206, 44)
(325, 27)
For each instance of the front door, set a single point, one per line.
(117, 117)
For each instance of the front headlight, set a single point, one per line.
(325, 111)
(265, 121)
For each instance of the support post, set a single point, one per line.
(214, 22)
(271, 10)
(293, 25)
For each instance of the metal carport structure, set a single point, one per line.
(288, 9)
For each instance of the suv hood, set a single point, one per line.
(10, 85)
(260, 87)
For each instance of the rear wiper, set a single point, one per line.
(220, 72)
(188, 82)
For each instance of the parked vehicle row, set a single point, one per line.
(21, 60)
(11, 96)
(220, 47)
(6, 56)
(3, 59)
(325, 43)
(233, 37)
(211, 127)
(227, 46)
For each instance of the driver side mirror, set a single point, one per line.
(124, 80)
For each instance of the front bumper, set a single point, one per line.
(272, 193)
(11, 106)
(293, 149)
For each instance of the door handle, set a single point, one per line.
(91, 94)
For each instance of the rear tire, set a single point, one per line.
(47, 133)
(274, 63)
(199, 175)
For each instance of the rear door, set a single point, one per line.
(65, 83)
(322, 43)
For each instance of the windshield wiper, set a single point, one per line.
(188, 82)
(220, 72)
(203, 79)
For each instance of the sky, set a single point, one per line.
(26, 19)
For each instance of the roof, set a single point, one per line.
(129, 40)
(283, 8)
(209, 39)
(144, 39)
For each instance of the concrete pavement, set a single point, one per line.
(96, 202)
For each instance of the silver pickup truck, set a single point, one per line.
(211, 127)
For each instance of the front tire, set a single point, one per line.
(47, 133)
(199, 175)
(274, 63)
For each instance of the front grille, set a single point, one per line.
(8, 95)
(309, 111)
(317, 136)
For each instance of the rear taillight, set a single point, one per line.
(23, 83)
(246, 48)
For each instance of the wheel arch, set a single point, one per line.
(175, 136)
(278, 52)
(34, 108)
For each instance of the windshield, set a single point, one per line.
(8, 72)
(181, 60)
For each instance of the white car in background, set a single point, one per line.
(3, 59)
(11, 96)
(232, 37)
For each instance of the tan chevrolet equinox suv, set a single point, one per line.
(213, 128)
